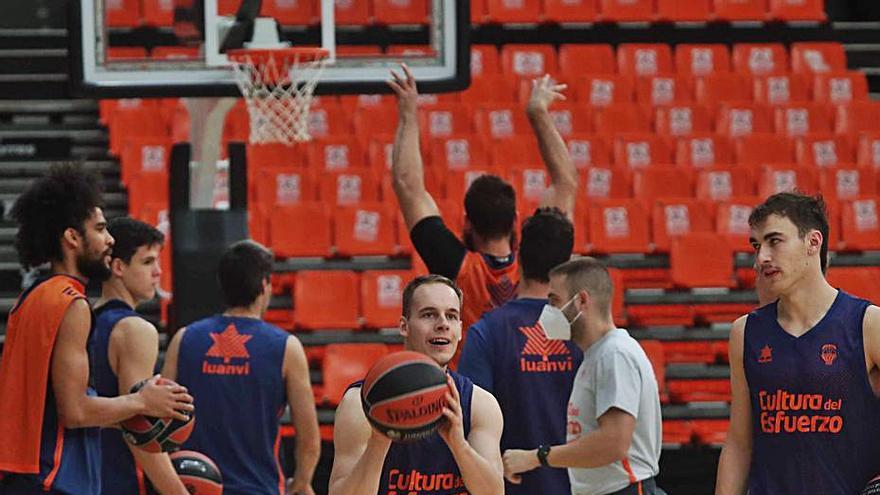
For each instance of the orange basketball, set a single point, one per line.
(156, 434)
(197, 472)
(403, 395)
(873, 487)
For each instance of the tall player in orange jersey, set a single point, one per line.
(484, 265)
(48, 413)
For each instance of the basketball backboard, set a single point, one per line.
(159, 48)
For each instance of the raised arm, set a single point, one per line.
(134, 347)
(563, 174)
(733, 467)
(305, 419)
(70, 379)
(407, 170)
(359, 450)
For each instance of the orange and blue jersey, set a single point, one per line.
(508, 355)
(815, 417)
(38, 453)
(233, 368)
(120, 473)
(485, 287)
(426, 466)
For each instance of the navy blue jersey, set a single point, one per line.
(233, 367)
(508, 354)
(119, 471)
(815, 418)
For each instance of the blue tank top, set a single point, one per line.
(426, 466)
(232, 367)
(119, 470)
(531, 377)
(815, 418)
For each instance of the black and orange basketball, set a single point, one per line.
(198, 473)
(156, 434)
(403, 395)
(873, 487)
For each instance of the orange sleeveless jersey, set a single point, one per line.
(24, 369)
(483, 289)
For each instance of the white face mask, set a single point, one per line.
(556, 326)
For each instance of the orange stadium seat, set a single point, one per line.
(370, 121)
(329, 120)
(478, 12)
(147, 188)
(174, 52)
(675, 217)
(300, 230)
(644, 59)
(678, 11)
(261, 156)
(570, 119)
(400, 11)
(637, 151)
(570, 11)
(458, 181)
(501, 121)
(757, 149)
(779, 89)
(654, 351)
(869, 149)
(723, 182)
(626, 10)
(701, 60)
(379, 153)
(732, 221)
(446, 120)
(774, 179)
(859, 281)
(618, 226)
(126, 53)
(491, 88)
(506, 12)
(352, 102)
(348, 188)
(860, 229)
(659, 182)
(344, 364)
(710, 431)
(842, 87)
(296, 13)
(144, 122)
(515, 153)
(149, 155)
(355, 13)
(663, 90)
(484, 60)
(742, 119)
(123, 13)
(818, 57)
(599, 182)
(703, 150)
(576, 60)
(587, 150)
(604, 90)
(681, 120)
(336, 154)
(381, 294)
(326, 299)
(699, 390)
(410, 50)
(722, 87)
(621, 118)
(847, 182)
(365, 229)
(760, 59)
(797, 10)
(458, 152)
(798, 119)
(701, 259)
(528, 61)
(159, 13)
(284, 186)
(823, 150)
(741, 10)
(854, 118)
(677, 431)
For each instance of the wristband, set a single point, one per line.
(543, 450)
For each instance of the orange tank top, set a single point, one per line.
(24, 368)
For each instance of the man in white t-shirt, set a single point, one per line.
(614, 424)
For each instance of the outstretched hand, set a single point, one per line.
(405, 88)
(544, 92)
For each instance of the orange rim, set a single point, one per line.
(285, 56)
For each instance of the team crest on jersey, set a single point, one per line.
(829, 354)
(501, 291)
(228, 345)
(766, 355)
(554, 355)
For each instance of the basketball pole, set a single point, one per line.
(207, 116)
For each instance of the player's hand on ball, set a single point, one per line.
(452, 429)
(407, 93)
(519, 461)
(165, 399)
(544, 92)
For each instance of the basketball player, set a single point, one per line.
(484, 265)
(805, 415)
(462, 457)
(245, 371)
(48, 413)
(125, 349)
(508, 354)
(614, 423)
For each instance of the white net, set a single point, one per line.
(278, 90)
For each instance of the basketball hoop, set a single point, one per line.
(277, 85)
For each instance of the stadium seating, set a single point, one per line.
(343, 364)
(326, 299)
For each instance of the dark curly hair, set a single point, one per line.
(64, 198)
